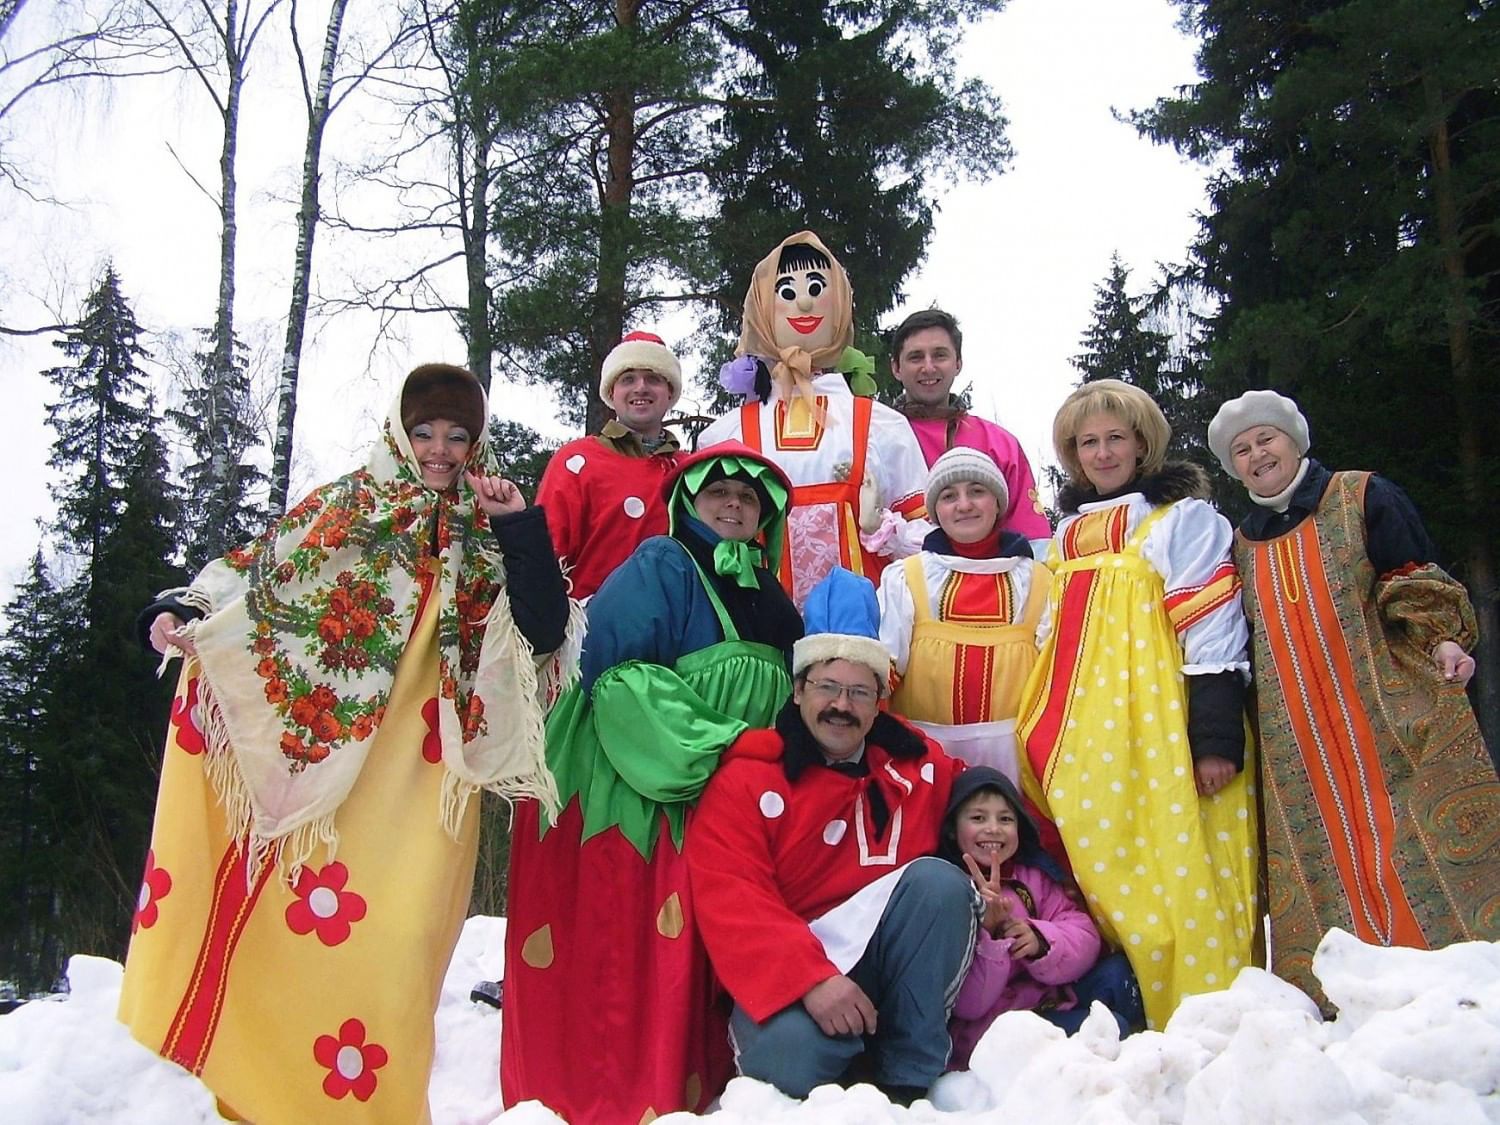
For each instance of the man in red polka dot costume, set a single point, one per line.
(602, 493)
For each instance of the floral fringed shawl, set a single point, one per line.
(302, 632)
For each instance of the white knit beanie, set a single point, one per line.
(963, 464)
(1255, 408)
(646, 351)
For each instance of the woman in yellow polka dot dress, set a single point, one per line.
(1132, 721)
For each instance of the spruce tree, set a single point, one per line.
(38, 634)
(223, 488)
(98, 417)
(1352, 244)
(1124, 341)
(88, 740)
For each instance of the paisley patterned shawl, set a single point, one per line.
(303, 630)
(792, 367)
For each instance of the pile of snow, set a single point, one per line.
(1417, 1041)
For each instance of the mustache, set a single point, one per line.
(833, 714)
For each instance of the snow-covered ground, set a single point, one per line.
(1417, 1042)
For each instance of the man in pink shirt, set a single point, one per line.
(926, 356)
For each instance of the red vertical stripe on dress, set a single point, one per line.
(1072, 620)
(192, 1031)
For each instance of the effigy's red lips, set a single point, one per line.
(806, 325)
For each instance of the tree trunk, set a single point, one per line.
(614, 223)
(307, 226)
(223, 338)
(1479, 556)
(476, 251)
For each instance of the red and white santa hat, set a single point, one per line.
(645, 351)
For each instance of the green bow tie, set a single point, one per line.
(735, 558)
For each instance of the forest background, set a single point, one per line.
(537, 178)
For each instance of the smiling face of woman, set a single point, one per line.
(441, 449)
(729, 508)
(1265, 458)
(967, 511)
(1108, 451)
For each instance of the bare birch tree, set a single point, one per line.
(216, 43)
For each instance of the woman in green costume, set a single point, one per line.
(609, 999)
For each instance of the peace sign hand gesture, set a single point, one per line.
(997, 909)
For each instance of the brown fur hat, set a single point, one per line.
(440, 390)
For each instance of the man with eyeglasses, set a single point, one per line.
(828, 927)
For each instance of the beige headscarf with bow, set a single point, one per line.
(792, 367)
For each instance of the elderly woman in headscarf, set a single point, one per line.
(689, 643)
(854, 464)
(353, 677)
(1382, 807)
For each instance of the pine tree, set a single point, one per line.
(522, 452)
(223, 488)
(657, 150)
(841, 119)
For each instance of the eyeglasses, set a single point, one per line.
(829, 690)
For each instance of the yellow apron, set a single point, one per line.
(966, 665)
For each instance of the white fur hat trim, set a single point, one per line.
(645, 351)
(820, 647)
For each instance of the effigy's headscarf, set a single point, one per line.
(792, 367)
(302, 632)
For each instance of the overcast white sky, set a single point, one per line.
(1016, 259)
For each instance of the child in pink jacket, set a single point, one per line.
(1036, 949)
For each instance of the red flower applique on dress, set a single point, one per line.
(156, 884)
(324, 905)
(187, 718)
(351, 1062)
(432, 742)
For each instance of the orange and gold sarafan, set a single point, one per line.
(1382, 806)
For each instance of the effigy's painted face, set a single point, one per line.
(804, 309)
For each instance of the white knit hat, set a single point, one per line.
(963, 464)
(1255, 408)
(645, 351)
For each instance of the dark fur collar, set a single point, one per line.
(1177, 480)
(800, 748)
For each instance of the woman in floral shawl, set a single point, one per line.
(353, 677)
(609, 999)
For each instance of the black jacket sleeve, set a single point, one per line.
(1395, 536)
(533, 580)
(162, 605)
(1216, 716)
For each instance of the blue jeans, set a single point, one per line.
(911, 970)
(1111, 982)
